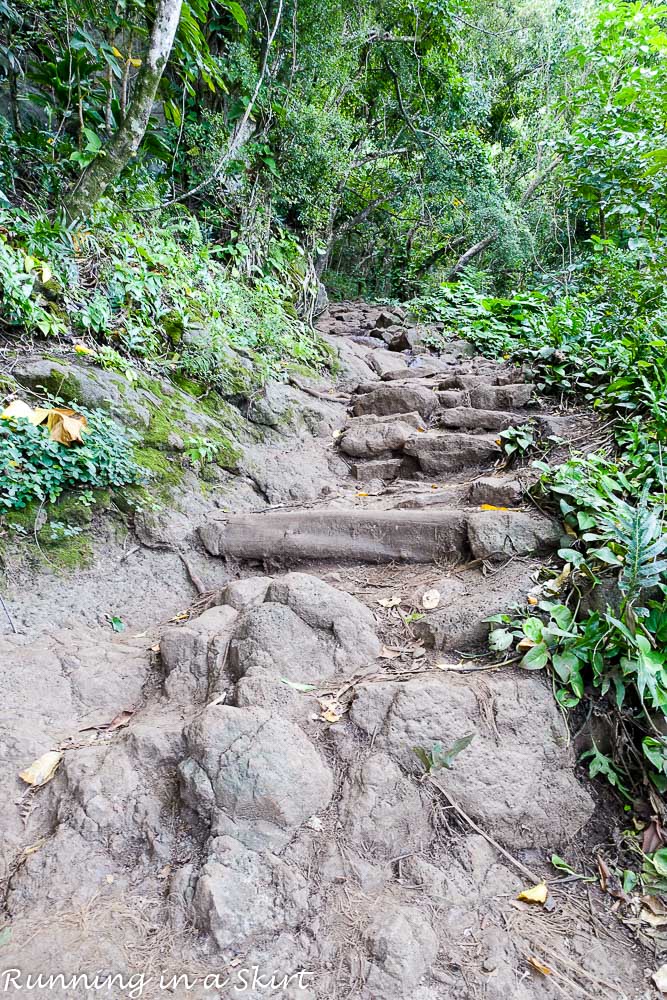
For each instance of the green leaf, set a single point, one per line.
(536, 658)
(297, 685)
(500, 639)
(238, 13)
(659, 859)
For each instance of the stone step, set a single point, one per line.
(419, 536)
(451, 452)
(469, 418)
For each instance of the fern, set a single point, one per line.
(638, 531)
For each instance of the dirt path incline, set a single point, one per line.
(246, 801)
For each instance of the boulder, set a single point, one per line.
(501, 397)
(252, 775)
(499, 492)
(242, 895)
(437, 453)
(382, 811)
(385, 469)
(402, 946)
(368, 436)
(498, 533)
(193, 655)
(388, 400)
(387, 363)
(515, 788)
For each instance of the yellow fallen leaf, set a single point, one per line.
(42, 770)
(47, 273)
(498, 441)
(490, 506)
(17, 408)
(531, 599)
(362, 494)
(536, 894)
(536, 964)
(81, 349)
(66, 426)
(430, 600)
(332, 711)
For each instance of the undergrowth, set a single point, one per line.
(599, 623)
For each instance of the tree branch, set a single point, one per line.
(474, 251)
(241, 132)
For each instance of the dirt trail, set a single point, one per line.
(263, 811)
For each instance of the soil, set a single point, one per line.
(238, 799)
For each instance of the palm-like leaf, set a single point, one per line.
(639, 531)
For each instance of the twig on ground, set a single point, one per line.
(487, 836)
(9, 617)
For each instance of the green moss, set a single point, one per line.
(71, 553)
(164, 471)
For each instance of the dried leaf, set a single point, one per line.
(525, 644)
(121, 720)
(659, 977)
(66, 426)
(43, 769)
(536, 894)
(536, 964)
(390, 602)
(653, 919)
(430, 600)
(491, 506)
(531, 599)
(332, 710)
(17, 408)
(297, 685)
(388, 653)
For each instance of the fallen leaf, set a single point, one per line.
(43, 769)
(82, 349)
(431, 599)
(332, 710)
(442, 665)
(66, 426)
(121, 720)
(362, 494)
(531, 599)
(536, 964)
(490, 506)
(659, 977)
(5, 936)
(314, 823)
(653, 919)
(389, 602)
(536, 894)
(117, 624)
(525, 644)
(155, 648)
(653, 837)
(387, 653)
(418, 652)
(297, 685)
(17, 409)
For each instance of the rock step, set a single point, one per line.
(419, 536)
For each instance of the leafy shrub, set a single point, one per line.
(35, 468)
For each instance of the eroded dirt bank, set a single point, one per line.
(259, 808)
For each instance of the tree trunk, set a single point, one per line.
(125, 142)
(469, 254)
